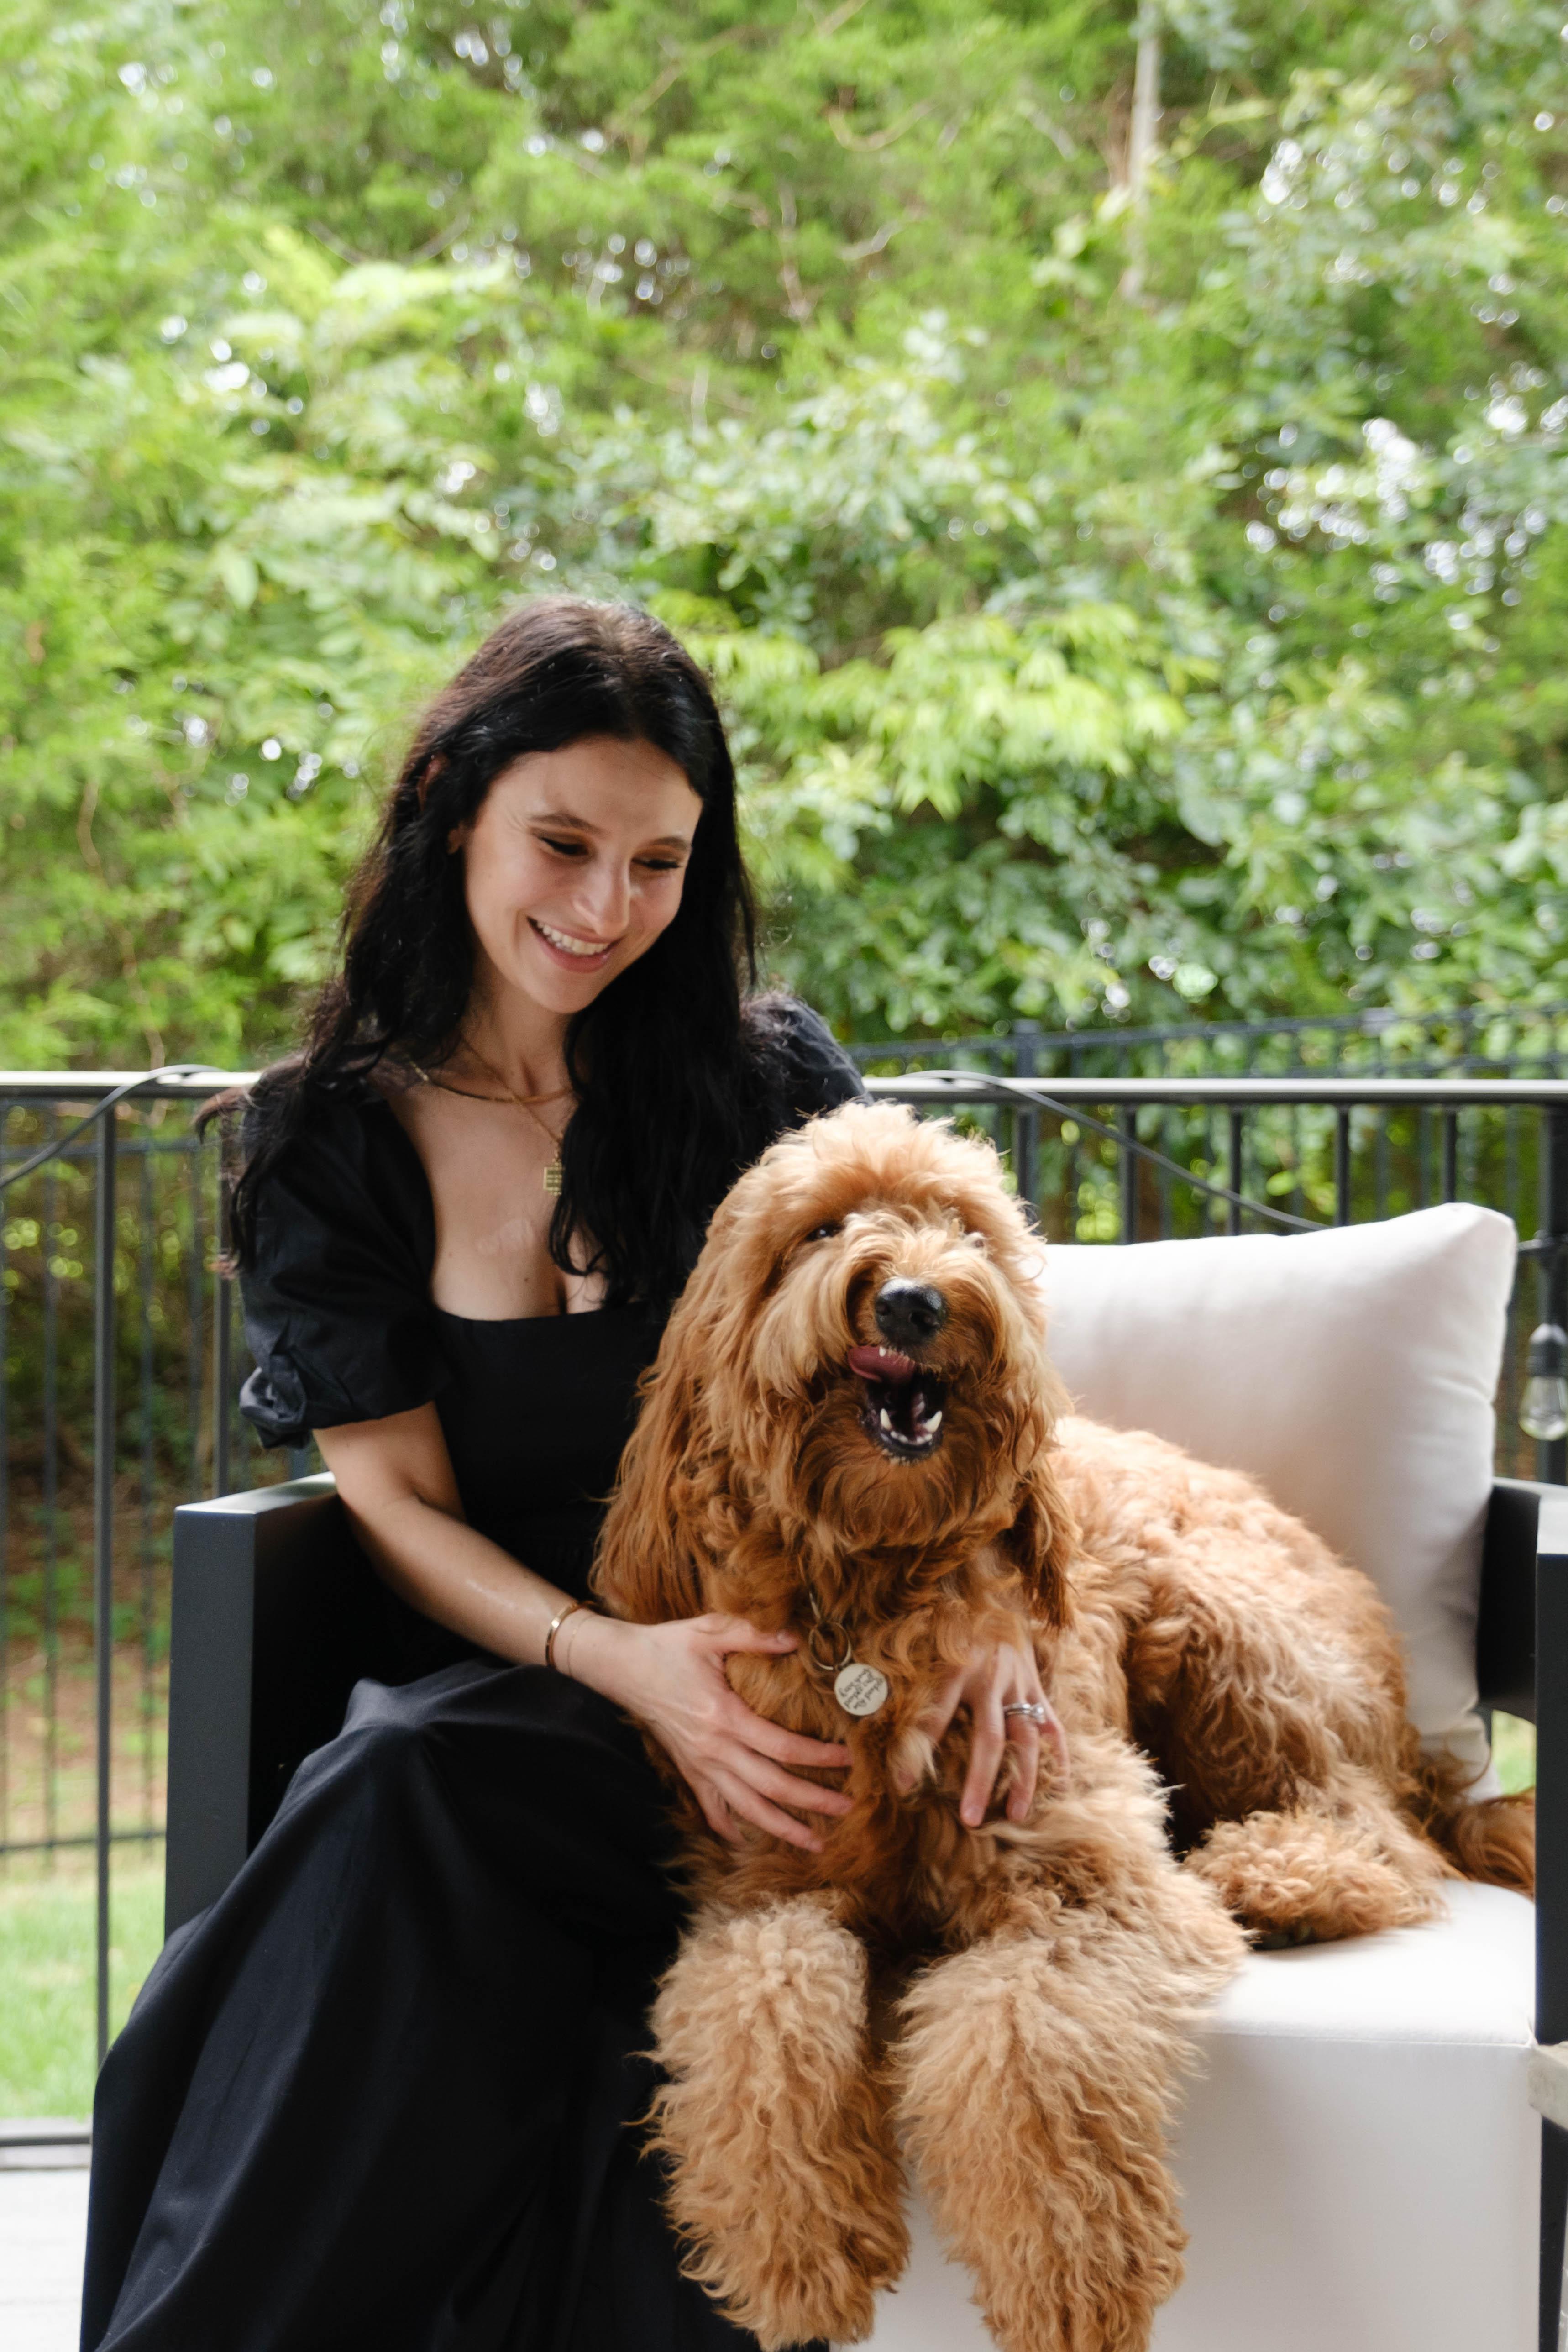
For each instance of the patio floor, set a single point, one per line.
(43, 2228)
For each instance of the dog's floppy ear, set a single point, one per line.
(1042, 1539)
(645, 1567)
(670, 1504)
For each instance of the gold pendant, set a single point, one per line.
(552, 1177)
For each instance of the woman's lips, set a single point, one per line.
(570, 958)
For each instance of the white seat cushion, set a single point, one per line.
(1358, 2160)
(1351, 1371)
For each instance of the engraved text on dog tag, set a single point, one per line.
(860, 1690)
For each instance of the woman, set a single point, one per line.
(378, 2094)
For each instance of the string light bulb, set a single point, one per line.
(1543, 1408)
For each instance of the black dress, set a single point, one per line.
(379, 2093)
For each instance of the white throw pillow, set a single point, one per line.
(1351, 1371)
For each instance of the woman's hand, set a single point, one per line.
(1003, 1675)
(672, 1676)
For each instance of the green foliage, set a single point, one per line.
(1128, 600)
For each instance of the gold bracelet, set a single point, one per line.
(556, 1622)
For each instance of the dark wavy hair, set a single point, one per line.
(667, 1066)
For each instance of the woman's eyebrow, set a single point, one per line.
(564, 816)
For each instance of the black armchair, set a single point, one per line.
(271, 1630)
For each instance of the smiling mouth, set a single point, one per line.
(585, 952)
(904, 1403)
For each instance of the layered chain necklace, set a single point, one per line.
(528, 1103)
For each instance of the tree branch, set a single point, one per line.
(876, 141)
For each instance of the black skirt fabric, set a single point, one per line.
(384, 2095)
(384, 2092)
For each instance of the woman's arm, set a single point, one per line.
(397, 1483)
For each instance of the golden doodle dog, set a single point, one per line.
(851, 1432)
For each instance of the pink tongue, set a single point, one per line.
(877, 1364)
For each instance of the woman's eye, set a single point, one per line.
(564, 848)
(660, 865)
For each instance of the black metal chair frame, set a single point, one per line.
(269, 1616)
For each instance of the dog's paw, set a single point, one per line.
(1304, 1878)
(825, 2289)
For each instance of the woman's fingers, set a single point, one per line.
(984, 1757)
(753, 1807)
(727, 1634)
(716, 1814)
(1055, 1737)
(790, 1746)
(934, 1721)
(785, 1790)
(1024, 1736)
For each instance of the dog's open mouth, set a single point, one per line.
(902, 1408)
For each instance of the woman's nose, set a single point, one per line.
(604, 899)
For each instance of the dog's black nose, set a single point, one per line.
(909, 1313)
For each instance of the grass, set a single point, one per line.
(46, 1957)
(46, 1987)
(1513, 1752)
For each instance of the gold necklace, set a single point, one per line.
(552, 1178)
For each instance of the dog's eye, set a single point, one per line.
(825, 1233)
(976, 1241)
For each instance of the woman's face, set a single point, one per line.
(574, 865)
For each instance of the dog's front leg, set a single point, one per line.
(1036, 2075)
(783, 2179)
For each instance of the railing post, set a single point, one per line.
(1129, 1173)
(1450, 1155)
(1552, 1265)
(223, 1354)
(1341, 1168)
(1235, 1167)
(1026, 1120)
(103, 1433)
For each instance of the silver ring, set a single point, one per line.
(1030, 1707)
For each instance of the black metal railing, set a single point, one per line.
(119, 1360)
(1524, 1041)
(116, 1346)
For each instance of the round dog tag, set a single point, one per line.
(860, 1690)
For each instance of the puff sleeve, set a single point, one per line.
(337, 1300)
(810, 1070)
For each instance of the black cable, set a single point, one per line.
(116, 1095)
(1020, 1090)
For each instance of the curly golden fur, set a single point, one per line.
(1194, 1639)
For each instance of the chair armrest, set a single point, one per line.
(1552, 1767)
(1546, 2083)
(1505, 1624)
(258, 1670)
(1521, 1664)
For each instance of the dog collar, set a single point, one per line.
(860, 1689)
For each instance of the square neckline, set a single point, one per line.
(477, 1322)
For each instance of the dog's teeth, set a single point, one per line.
(886, 1418)
(934, 1423)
